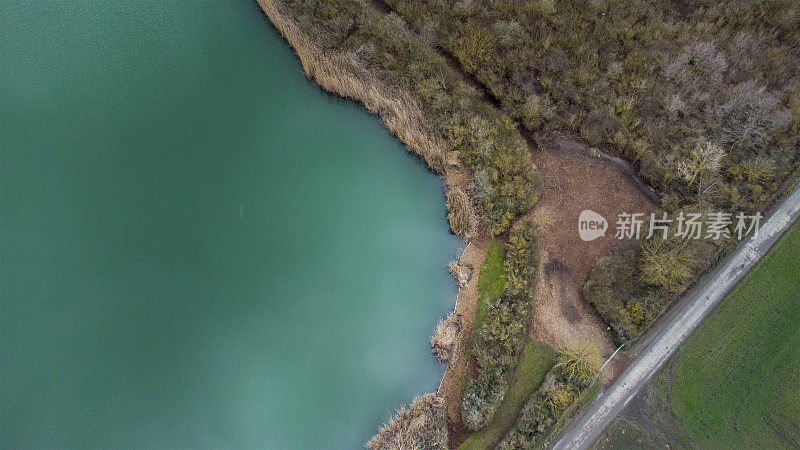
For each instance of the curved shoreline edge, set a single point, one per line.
(401, 113)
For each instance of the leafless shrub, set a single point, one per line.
(700, 59)
(461, 272)
(445, 340)
(703, 162)
(509, 33)
(675, 105)
(751, 115)
(698, 70)
(744, 45)
(423, 425)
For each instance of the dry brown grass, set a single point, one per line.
(444, 341)
(422, 425)
(341, 73)
(461, 215)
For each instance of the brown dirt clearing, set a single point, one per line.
(573, 181)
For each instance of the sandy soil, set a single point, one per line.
(574, 181)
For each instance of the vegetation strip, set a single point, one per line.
(535, 362)
(497, 343)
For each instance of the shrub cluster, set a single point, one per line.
(574, 372)
(656, 82)
(484, 141)
(633, 286)
(496, 344)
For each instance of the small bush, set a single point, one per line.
(580, 361)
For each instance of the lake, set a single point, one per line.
(200, 248)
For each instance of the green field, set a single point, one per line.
(735, 381)
(491, 280)
(536, 360)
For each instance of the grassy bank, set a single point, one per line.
(536, 360)
(491, 281)
(734, 383)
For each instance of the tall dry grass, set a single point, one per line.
(343, 74)
(460, 213)
(444, 341)
(421, 426)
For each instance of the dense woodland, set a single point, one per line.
(702, 97)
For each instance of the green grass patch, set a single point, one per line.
(735, 382)
(536, 360)
(491, 280)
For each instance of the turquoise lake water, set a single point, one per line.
(199, 247)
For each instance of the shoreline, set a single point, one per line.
(343, 76)
(466, 302)
(404, 118)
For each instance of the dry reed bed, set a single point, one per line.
(343, 75)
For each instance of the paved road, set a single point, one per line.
(671, 334)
